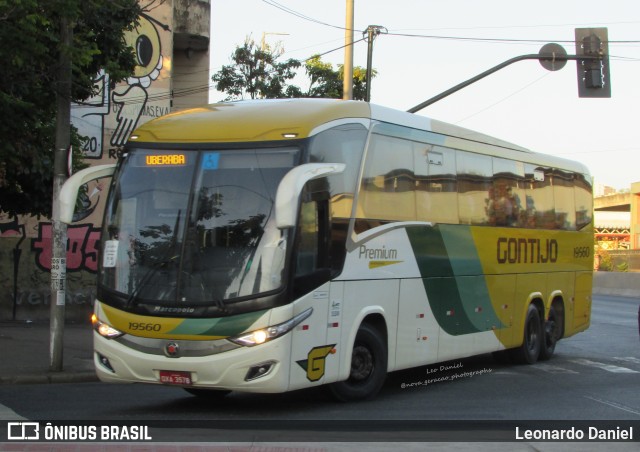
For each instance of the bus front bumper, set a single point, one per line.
(261, 368)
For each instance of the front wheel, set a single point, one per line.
(207, 394)
(529, 351)
(368, 367)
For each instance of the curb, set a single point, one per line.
(50, 377)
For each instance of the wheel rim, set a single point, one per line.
(361, 363)
(532, 337)
(551, 332)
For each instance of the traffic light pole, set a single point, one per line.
(536, 56)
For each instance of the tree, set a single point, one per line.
(256, 73)
(30, 50)
(326, 82)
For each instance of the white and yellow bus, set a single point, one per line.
(274, 245)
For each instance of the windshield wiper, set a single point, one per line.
(166, 260)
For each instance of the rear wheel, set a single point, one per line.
(368, 367)
(529, 351)
(552, 329)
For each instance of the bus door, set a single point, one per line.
(314, 341)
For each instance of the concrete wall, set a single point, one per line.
(617, 283)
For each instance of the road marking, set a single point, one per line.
(7, 414)
(603, 366)
(631, 359)
(614, 405)
(554, 369)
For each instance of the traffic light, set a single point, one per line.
(594, 79)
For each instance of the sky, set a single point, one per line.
(524, 103)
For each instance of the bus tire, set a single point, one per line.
(529, 351)
(207, 394)
(368, 367)
(551, 331)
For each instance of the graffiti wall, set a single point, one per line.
(107, 119)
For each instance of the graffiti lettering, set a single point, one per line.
(33, 298)
(116, 153)
(155, 111)
(82, 247)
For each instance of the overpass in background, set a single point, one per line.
(618, 202)
(624, 202)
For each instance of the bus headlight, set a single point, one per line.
(261, 336)
(104, 329)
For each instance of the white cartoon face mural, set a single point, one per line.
(130, 100)
(108, 118)
(119, 111)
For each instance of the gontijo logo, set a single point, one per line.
(526, 251)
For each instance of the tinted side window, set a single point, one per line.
(506, 206)
(540, 210)
(475, 174)
(342, 144)
(584, 201)
(387, 190)
(436, 185)
(564, 197)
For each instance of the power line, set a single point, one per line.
(454, 38)
(501, 40)
(503, 99)
(301, 16)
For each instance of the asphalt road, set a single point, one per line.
(594, 376)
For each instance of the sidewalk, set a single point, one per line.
(24, 353)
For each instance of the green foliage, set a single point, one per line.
(256, 73)
(326, 82)
(605, 263)
(30, 50)
(622, 267)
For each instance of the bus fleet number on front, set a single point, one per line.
(141, 326)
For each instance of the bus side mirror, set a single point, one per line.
(69, 191)
(290, 188)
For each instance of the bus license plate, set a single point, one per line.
(175, 377)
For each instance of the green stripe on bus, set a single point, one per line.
(438, 279)
(453, 279)
(224, 326)
(469, 273)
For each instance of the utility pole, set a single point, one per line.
(59, 229)
(372, 32)
(347, 83)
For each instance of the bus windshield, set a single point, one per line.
(195, 228)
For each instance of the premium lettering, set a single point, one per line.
(526, 251)
(377, 253)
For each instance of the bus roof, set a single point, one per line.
(249, 120)
(281, 119)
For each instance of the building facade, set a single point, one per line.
(171, 44)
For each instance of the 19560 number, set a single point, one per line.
(581, 251)
(141, 326)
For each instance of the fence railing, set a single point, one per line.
(618, 260)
